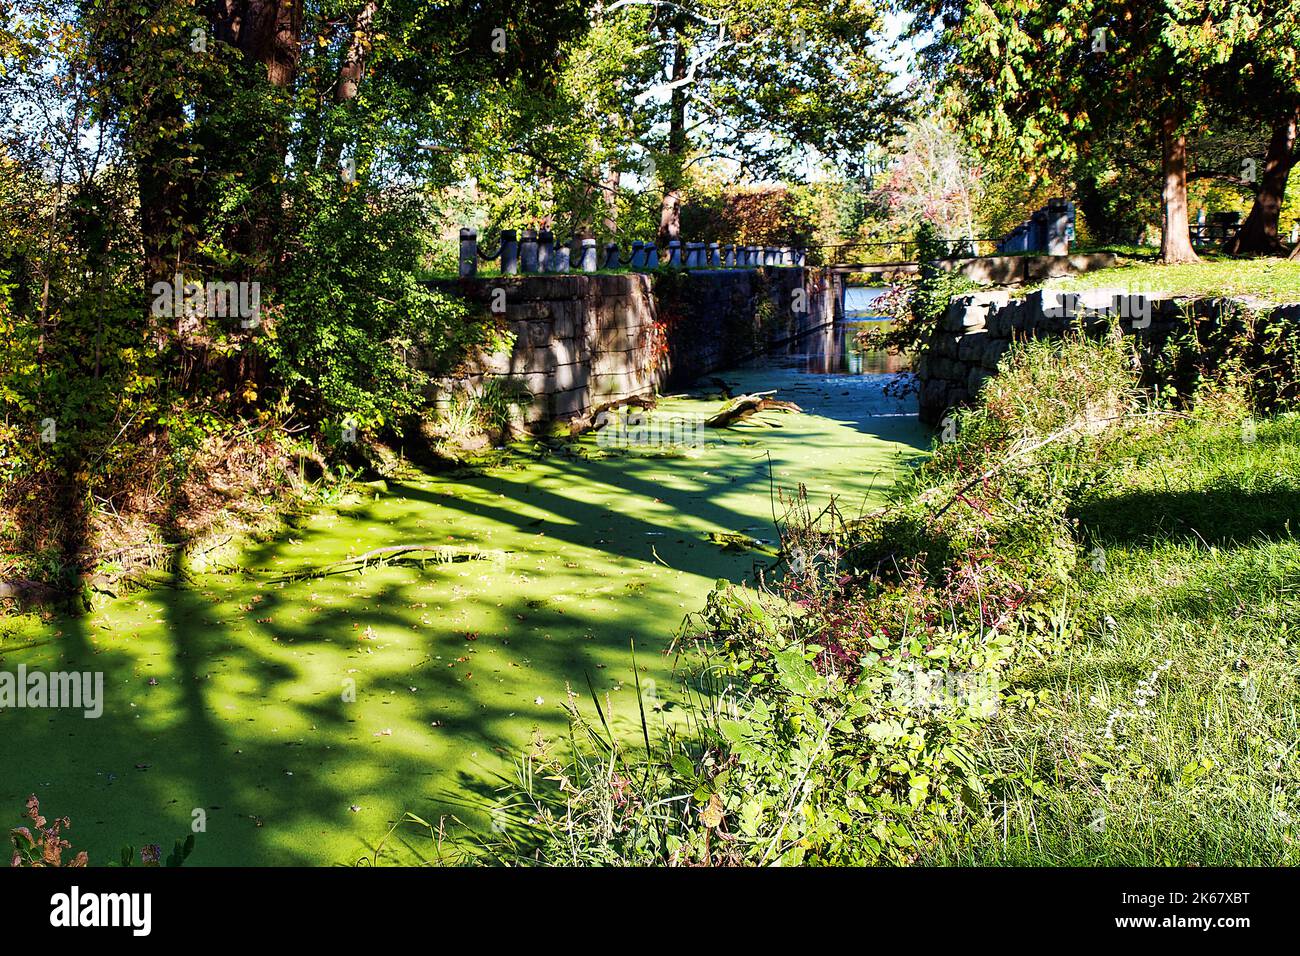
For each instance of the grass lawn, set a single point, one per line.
(1172, 735)
(1275, 281)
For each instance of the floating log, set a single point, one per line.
(743, 406)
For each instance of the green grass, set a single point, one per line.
(1275, 281)
(1196, 566)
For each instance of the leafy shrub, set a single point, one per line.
(350, 314)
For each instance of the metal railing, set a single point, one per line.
(884, 251)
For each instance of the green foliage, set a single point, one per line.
(917, 309)
(350, 317)
(895, 696)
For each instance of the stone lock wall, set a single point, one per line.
(977, 330)
(586, 340)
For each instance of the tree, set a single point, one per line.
(759, 84)
(934, 177)
(1267, 74)
(1053, 79)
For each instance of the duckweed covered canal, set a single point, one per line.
(230, 694)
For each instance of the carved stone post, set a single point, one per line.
(715, 259)
(468, 253)
(611, 255)
(588, 255)
(638, 256)
(545, 250)
(675, 253)
(528, 251)
(509, 252)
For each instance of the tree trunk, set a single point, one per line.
(1258, 234)
(612, 180)
(1175, 236)
(351, 70)
(160, 178)
(670, 209)
(269, 32)
(354, 59)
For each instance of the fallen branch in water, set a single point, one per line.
(743, 406)
(587, 420)
(395, 554)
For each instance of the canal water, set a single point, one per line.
(306, 718)
(836, 349)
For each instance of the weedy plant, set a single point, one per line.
(43, 844)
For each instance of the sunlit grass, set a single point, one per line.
(1195, 581)
(1267, 280)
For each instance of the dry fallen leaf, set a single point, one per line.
(711, 814)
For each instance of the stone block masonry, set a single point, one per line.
(978, 329)
(584, 340)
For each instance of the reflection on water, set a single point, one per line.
(859, 302)
(835, 350)
(827, 371)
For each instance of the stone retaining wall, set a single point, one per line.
(977, 330)
(581, 341)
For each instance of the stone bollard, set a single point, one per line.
(588, 257)
(638, 256)
(787, 256)
(675, 253)
(751, 256)
(729, 256)
(468, 253)
(769, 255)
(611, 255)
(801, 257)
(696, 258)
(528, 251)
(715, 257)
(545, 250)
(651, 256)
(509, 252)
(560, 259)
